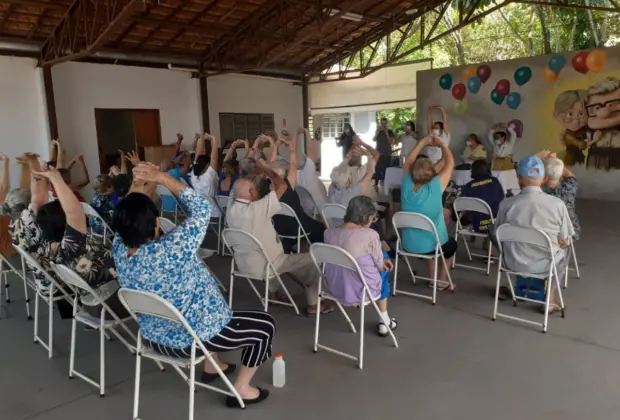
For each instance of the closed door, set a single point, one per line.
(146, 128)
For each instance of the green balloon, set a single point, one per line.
(496, 97)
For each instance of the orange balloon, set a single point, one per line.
(468, 72)
(549, 75)
(596, 60)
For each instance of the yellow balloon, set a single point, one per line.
(596, 60)
(549, 75)
(460, 107)
(468, 72)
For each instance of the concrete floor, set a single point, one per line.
(453, 362)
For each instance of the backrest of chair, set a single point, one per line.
(333, 211)
(166, 225)
(222, 201)
(89, 211)
(73, 279)
(214, 204)
(404, 219)
(235, 238)
(29, 259)
(472, 204)
(161, 191)
(331, 254)
(305, 196)
(146, 303)
(286, 210)
(525, 235)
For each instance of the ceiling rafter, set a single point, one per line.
(168, 18)
(194, 20)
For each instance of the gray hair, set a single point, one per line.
(16, 201)
(607, 85)
(340, 176)
(554, 168)
(247, 166)
(359, 210)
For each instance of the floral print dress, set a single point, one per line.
(170, 268)
(104, 205)
(91, 260)
(567, 192)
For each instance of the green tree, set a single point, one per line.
(397, 118)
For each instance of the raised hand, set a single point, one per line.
(133, 157)
(114, 171)
(49, 173)
(179, 137)
(147, 172)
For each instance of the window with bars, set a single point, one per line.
(243, 126)
(332, 126)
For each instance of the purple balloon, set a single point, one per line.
(517, 126)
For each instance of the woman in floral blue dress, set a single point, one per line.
(169, 267)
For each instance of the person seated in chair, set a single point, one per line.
(488, 189)
(474, 150)
(168, 266)
(357, 238)
(307, 175)
(55, 232)
(534, 209)
(249, 213)
(422, 189)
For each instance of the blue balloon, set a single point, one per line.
(473, 84)
(513, 100)
(556, 63)
(445, 81)
(523, 75)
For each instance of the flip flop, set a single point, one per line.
(442, 285)
(324, 311)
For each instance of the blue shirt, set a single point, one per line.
(426, 201)
(168, 202)
(170, 268)
(488, 190)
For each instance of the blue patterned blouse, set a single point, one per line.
(170, 268)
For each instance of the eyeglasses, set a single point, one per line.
(593, 109)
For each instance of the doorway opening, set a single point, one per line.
(126, 130)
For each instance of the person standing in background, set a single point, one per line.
(439, 129)
(346, 139)
(384, 147)
(408, 140)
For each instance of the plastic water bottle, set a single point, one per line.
(279, 371)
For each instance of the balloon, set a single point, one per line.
(517, 126)
(596, 60)
(445, 81)
(459, 91)
(549, 75)
(503, 87)
(579, 62)
(513, 100)
(496, 97)
(460, 107)
(473, 84)
(523, 75)
(468, 72)
(556, 63)
(484, 72)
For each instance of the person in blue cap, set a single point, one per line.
(535, 209)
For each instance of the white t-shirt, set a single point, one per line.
(434, 153)
(309, 179)
(206, 184)
(408, 144)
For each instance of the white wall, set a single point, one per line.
(23, 114)
(542, 130)
(246, 94)
(79, 88)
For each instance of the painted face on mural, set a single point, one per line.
(603, 105)
(574, 118)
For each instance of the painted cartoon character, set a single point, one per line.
(603, 108)
(570, 111)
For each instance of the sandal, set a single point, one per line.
(382, 330)
(443, 285)
(206, 378)
(325, 309)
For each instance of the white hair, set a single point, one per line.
(607, 85)
(554, 168)
(340, 176)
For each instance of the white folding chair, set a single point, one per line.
(149, 304)
(222, 201)
(333, 214)
(107, 231)
(178, 209)
(574, 260)
(5, 268)
(329, 254)
(166, 226)
(50, 299)
(306, 197)
(533, 238)
(408, 220)
(240, 243)
(468, 204)
(216, 222)
(81, 288)
(287, 211)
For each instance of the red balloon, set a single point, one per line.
(484, 72)
(503, 87)
(459, 91)
(579, 62)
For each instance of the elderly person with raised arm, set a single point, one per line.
(230, 167)
(168, 266)
(346, 182)
(422, 190)
(357, 238)
(250, 213)
(204, 176)
(55, 232)
(503, 138)
(307, 175)
(561, 183)
(535, 209)
(441, 129)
